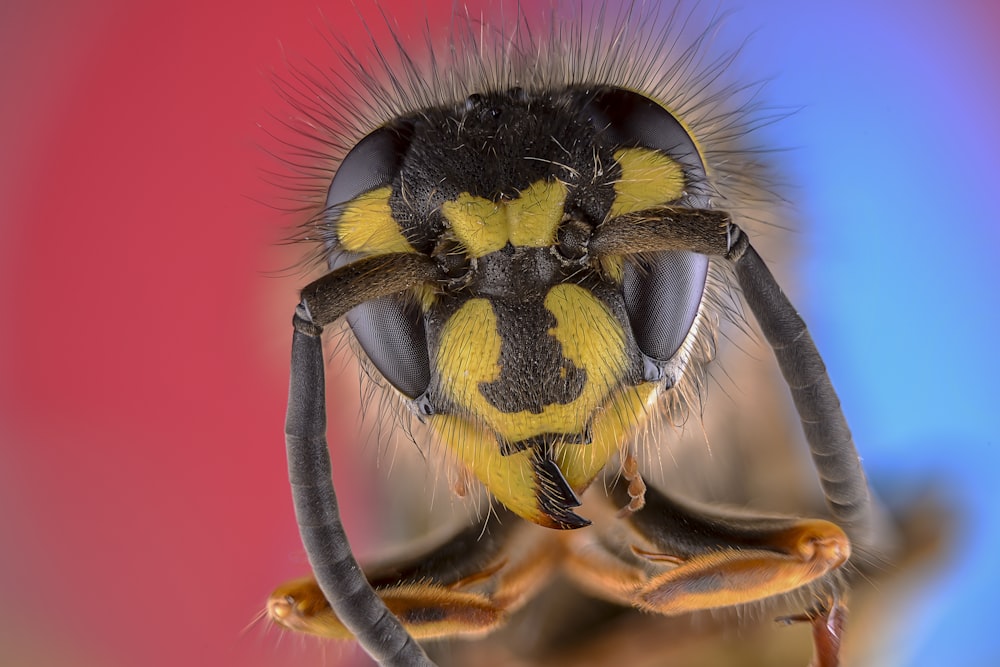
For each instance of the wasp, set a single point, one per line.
(530, 245)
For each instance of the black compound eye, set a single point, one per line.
(662, 297)
(373, 163)
(391, 332)
(389, 329)
(631, 120)
(664, 292)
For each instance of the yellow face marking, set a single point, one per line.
(366, 225)
(477, 223)
(649, 178)
(469, 354)
(530, 220)
(511, 478)
(592, 339)
(610, 429)
(535, 215)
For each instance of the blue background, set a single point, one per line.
(897, 157)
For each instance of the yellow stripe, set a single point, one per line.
(366, 225)
(483, 226)
(649, 178)
(536, 214)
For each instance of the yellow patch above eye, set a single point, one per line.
(649, 178)
(483, 226)
(366, 225)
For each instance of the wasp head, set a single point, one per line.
(528, 357)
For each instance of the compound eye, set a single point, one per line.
(390, 329)
(392, 333)
(662, 292)
(373, 163)
(662, 296)
(630, 120)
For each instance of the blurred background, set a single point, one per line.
(144, 507)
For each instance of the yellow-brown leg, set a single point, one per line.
(673, 558)
(426, 610)
(466, 586)
(795, 556)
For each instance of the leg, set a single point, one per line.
(678, 557)
(780, 557)
(466, 586)
(827, 627)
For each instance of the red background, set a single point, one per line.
(143, 493)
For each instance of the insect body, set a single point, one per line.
(530, 266)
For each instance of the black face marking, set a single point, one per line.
(545, 440)
(522, 273)
(533, 371)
